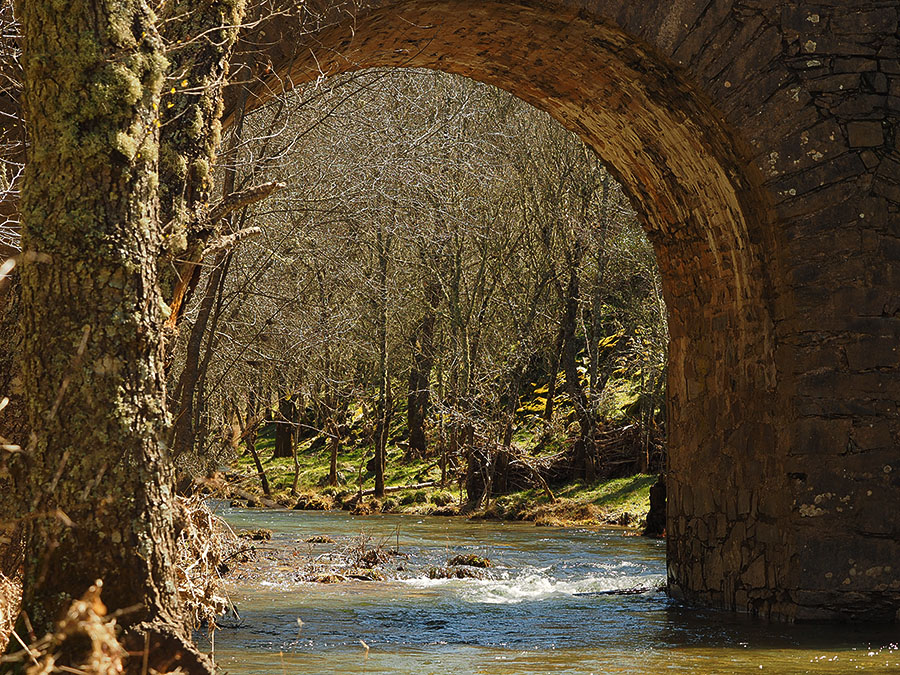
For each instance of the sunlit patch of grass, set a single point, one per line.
(623, 501)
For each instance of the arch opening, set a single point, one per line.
(705, 214)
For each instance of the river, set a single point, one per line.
(551, 603)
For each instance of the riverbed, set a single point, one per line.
(554, 601)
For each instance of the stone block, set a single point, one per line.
(834, 83)
(889, 169)
(861, 106)
(852, 64)
(865, 134)
(891, 66)
(871, 435)
(869, 352)
(802, 20)
(877, 82)
(873, 22)
(819, 436)
(754, 576)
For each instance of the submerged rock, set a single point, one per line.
(319, 539)
(260, 534)
(325, 578)
(313, 502)
(456, 573)
(365, 574)
(470, 560)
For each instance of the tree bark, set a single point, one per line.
(284, 428)
(555, 359)
(382, 408)
(584, 445)
(13, 422)
(185, 418)
(248, 433)
(420, 375)
(98, 485)
(333, 429)
(192, 106)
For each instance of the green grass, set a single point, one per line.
(314, 465)
(577, 502)
(605, 501)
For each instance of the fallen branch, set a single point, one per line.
(189, 267)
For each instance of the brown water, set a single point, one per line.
(546, 608)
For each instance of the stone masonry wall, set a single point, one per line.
(758, 140)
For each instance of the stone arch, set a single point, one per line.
(698, 108)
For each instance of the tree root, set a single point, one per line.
(163, 648)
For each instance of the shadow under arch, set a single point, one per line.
(706, 213)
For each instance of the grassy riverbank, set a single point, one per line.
(619, 501)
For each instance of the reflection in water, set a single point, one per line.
(547, 607)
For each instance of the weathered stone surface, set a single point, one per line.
(865, 134)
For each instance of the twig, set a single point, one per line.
(25, 647)
(69, 669)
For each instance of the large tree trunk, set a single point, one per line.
(13, 431)
(13, 423)
(98, 485)
(185, 418)
(383, 405)
(420, 375)
(284, 428)
(584, 445)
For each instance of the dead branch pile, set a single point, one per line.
(618, 451)
(621, 451)
(85, 642)
(10, 600)
(357, 559)
(204, 547)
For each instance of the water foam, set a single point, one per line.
(535, 585)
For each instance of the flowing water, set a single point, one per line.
(552, 603)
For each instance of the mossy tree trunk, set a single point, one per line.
(13, 425)
(383, 403)
(204, 34)
(97, 485)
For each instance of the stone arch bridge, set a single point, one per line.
(758, 141)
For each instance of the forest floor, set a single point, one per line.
(613, 501)
(622, 500)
